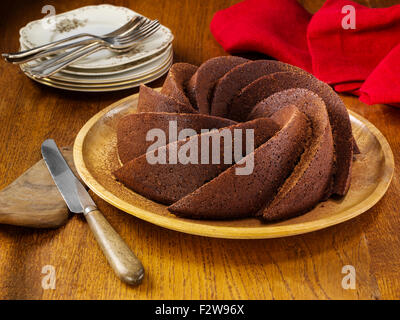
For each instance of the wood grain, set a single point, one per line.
(178, 266)
(33, 200)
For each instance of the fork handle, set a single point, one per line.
(52, 50)
(48, 71)
(124, 263)
(60, 57)
(25, 53)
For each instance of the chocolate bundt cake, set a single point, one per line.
(283, 141)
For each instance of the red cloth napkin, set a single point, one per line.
(364, 61)
(274, 27)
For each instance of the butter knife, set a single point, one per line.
(125, 264)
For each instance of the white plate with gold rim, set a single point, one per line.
(104, 87)
(96, 20)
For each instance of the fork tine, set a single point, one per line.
(135, 28)
(125, 27)
(144, 27)
(149, 33)
(139, 34)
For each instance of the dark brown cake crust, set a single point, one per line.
(239, 77)
(201, 85)
(151, 100)
(176, 81)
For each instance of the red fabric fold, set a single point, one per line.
(343, 55)
(274, 27)
(383, 84)
(364, 61)
(348, 86)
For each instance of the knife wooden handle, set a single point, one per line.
(125, 264)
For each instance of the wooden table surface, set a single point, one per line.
(178, 266)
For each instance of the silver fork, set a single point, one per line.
(121, 44)
(23, 56)
(108, 41)
(125, 36)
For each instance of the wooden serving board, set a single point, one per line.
(33, 199)
(95, 156)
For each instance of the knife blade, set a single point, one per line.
(72, 191)
(125, 264)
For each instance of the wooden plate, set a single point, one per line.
(95, 158)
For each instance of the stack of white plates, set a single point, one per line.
(104, 70)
